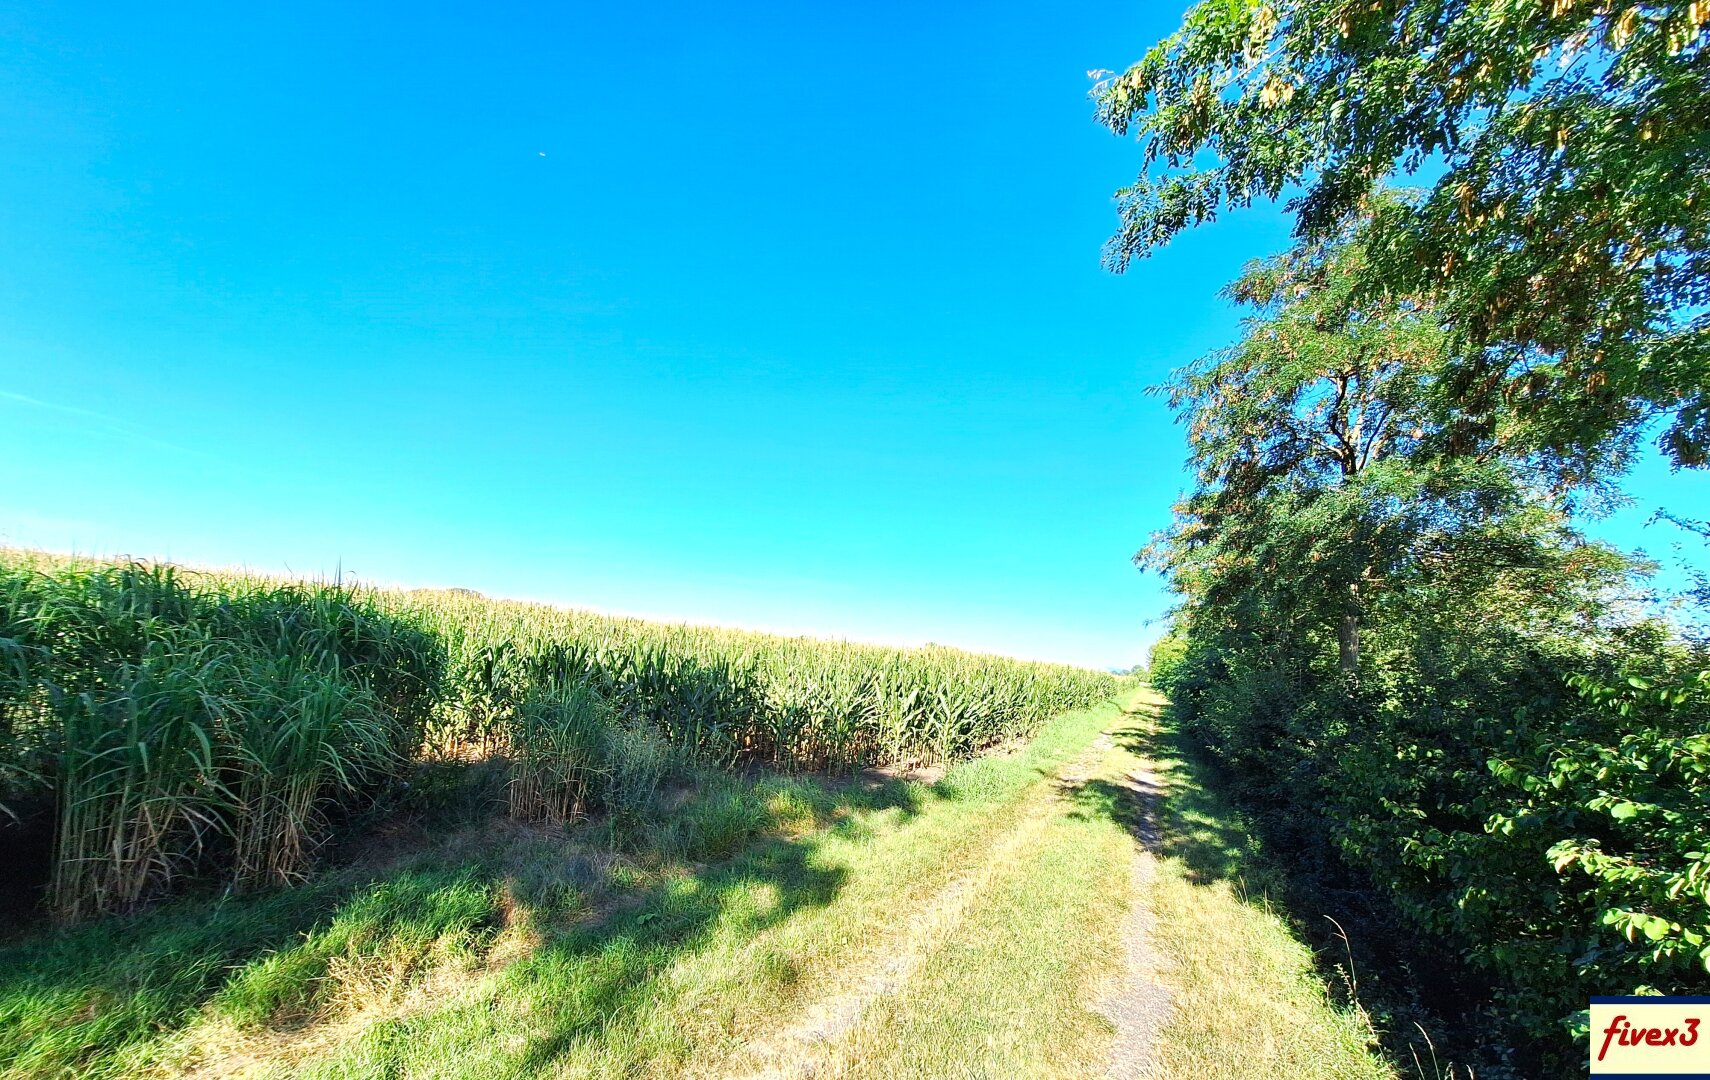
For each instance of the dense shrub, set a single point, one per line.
(1534, 801)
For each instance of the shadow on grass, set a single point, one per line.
(1196, 829)
(1188, 810)
(100, 999)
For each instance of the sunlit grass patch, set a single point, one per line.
(1247, 998)
(683, 982)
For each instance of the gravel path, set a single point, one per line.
(1140, 1006)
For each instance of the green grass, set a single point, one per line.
(877, 927)
(1248, 999)
(538, 948)
(1008, 991)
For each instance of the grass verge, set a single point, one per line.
(1010, 986)
(1128, 859)
(1247, 996)
(768, 926)
(500, 949)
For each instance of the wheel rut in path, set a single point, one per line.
(790, 1052)
(1139, 1006)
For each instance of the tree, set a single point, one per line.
(1293, 433)
(1383, 609)
(1565, 243)
(1514, 753)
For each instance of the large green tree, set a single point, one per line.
(1314, 443)
(1390, 631)
(1564, 239)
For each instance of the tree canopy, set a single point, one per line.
(1317, 445)
(1391, 632)
(1565, 239)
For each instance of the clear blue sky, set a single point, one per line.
(786, 316)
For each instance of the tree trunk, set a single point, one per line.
(1348, 642)
(1348, 634)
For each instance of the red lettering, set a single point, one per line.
(1621, 1033)
(1610, 1032)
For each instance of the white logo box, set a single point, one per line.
(1650, 1038)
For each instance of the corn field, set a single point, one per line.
(189, 726)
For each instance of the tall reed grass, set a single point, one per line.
(730, 695)
(209, 726)
(557, 752)
(198, 725)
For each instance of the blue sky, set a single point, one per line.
(785, 316)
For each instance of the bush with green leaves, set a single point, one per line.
(1546, 824)
(1619, 795)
